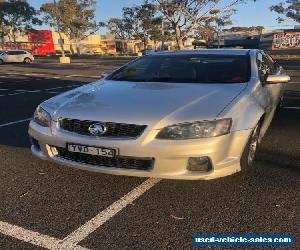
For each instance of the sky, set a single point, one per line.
(250, 14)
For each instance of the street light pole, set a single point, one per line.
(162, 34)
(162, 31)
(61, 43)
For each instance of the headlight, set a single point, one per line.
(196, 130)
(42, 117)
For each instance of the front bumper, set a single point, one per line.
(171, 157)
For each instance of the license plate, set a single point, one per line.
(100, 151)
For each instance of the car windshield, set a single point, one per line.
(194, 68)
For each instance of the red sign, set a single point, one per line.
(41, 42)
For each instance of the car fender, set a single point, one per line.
(244, 111)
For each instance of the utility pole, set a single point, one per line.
(162, 31)
(162, 34)
(61, 43)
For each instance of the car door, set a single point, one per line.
(20, 55)
(270, 93)
(12, 56)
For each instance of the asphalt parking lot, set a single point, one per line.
(44, 205)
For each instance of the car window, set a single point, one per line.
(16, 52)
(20, 52)
(193, 68)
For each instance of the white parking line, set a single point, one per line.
(96, 77)
(72, 240)
(54, 92)
(62, 87)
(16, 122)
(33, 74)
(23, 91)
(291, 108)
(49, 75)
(96, 222)
(34, 238)
(19, 93)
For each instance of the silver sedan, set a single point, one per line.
(179, 115)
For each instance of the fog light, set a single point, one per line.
(202, 164)
(35, 143)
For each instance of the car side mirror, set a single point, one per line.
(274, 79)
(105, 74)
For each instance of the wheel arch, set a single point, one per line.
(27, 58)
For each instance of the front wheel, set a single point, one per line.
(248, 156)
(27, 60)
(1, 61)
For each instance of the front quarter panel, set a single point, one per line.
(246, 110)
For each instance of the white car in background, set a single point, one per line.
(16, 56)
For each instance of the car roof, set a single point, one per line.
(206, 52)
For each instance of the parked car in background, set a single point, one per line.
(16, 56)
(180, 115)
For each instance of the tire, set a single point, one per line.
(248, 156)
(1, 61)
(27, 60)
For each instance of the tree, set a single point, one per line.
(161, 31)
(143, 21)
(121, 29)
(74, 18)
(4, 31)
(17, 16)
(186, 15)
(214, 26)
(206, 32)
(289, 8)
(257, 29)
(223, 21)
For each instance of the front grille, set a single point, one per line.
(119, 130)
(117, 162)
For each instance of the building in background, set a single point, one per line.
(46, 42)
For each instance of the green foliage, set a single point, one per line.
(238, 29)
(75, 18)
(143, 22)
(288, 8)
(17, 16)
(121, 28)
(188, 16)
